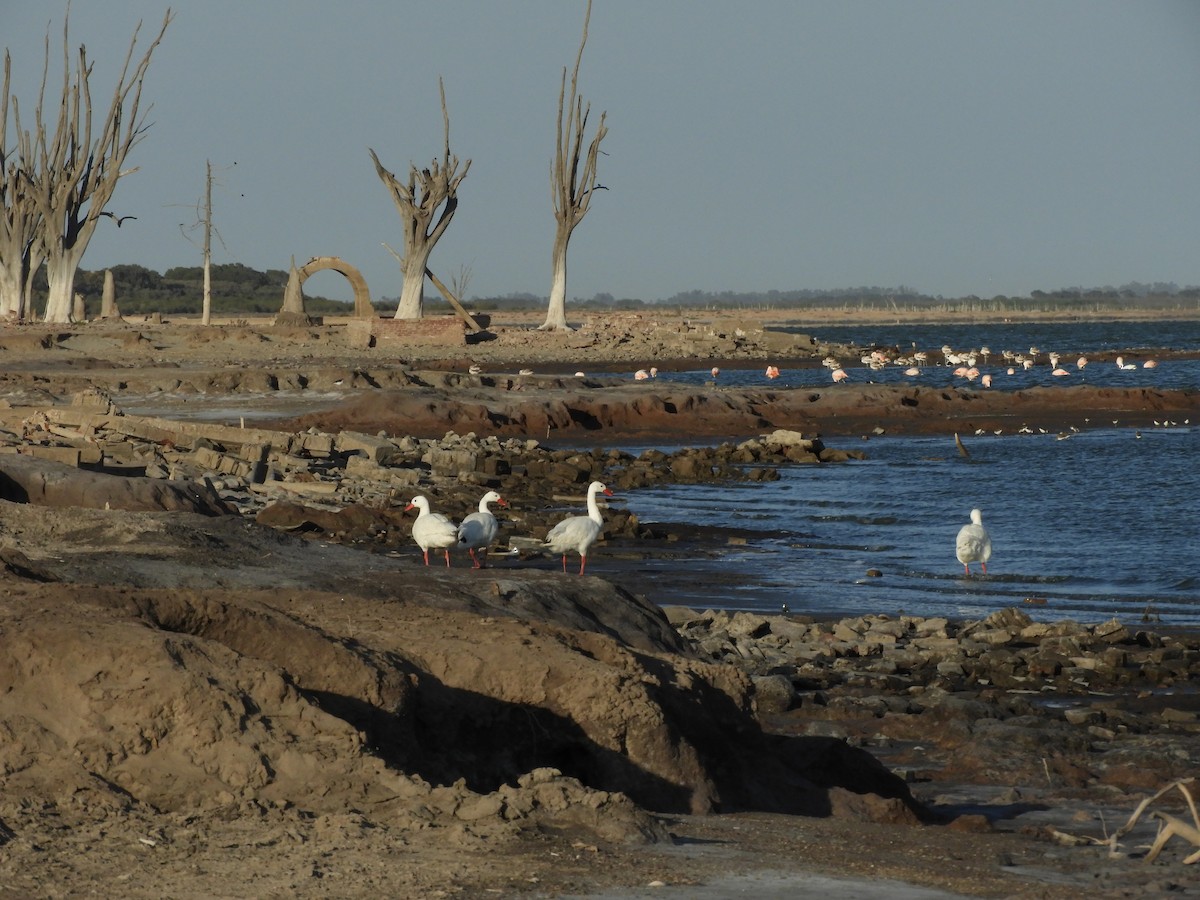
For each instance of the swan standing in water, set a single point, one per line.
(478, 530)
(973, 543)
(432, 531)
(578, 533)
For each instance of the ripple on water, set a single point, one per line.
(1092, 528)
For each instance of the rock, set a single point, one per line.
(773, 694)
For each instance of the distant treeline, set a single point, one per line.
(239, 289)
(234, 289)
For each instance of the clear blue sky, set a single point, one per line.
(952, 147)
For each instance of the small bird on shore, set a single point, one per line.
(578, 533)
(432, 531)
(973, 544)
(478, 530)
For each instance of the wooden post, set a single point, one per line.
(453, 301)
(207, 317)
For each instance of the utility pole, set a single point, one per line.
(207, 318)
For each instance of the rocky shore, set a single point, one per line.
(226, 672)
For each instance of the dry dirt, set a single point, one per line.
(192, 706)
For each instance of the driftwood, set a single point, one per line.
(1171, 827)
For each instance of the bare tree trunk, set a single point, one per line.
(556, 311)
(412, 293)
(20, 221)
(12, 284)
(60, 279)
(426, 205)
(76, 176)
(572, 182)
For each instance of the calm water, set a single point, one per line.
(1098, 525)
(1102, 524)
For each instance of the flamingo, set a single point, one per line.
(1121, 364)
(839, 375)
(1060, 372)
(432, 530)
(973, 543)
(715, 371)
(986, 380)
(1150, 364)
(578, 533)
(641, 375)
(1081, 362)
(478, 530)
(654, 371)
(912, 371)
(475, 369)
(772, 371)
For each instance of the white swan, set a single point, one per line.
(478, 530)
(973, 543)
(432, 531)
(578, 533)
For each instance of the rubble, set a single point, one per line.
(252, 469)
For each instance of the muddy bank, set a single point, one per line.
(560, 409)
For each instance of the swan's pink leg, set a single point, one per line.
(447, 557)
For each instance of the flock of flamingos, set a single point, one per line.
(965, 363)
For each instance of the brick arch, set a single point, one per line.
(362, 294)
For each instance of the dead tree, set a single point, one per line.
(426, 205)
(73, 177)
(20, 222)
(572, 182)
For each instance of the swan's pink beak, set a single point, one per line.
(502, 502)
(608, 493)
(410, 506)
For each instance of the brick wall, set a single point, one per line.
(443, 330)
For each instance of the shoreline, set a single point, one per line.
(267, 706)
